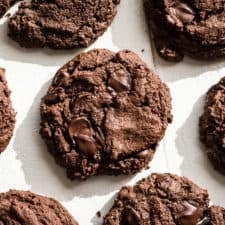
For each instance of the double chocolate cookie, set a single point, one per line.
(105, 113)
(7, 114)
(212, 125)
(61, 23)
(24, 207)
(195, 28)
(164, 199)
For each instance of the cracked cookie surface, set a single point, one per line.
(212, 125)
(164, 199)
(24, 207)
(7, 114)
(104, 113)
(61, 24)
(195, 28)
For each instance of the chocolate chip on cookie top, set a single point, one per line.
(7, 114)
(24, 207)
(61, 23)
(105, 112)
(163, 199)
(195, 28)
(212, 125)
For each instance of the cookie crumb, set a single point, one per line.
(98, 214)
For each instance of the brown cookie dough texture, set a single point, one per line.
(212, 125)
(61, 24)
(7, 114)
(164, 199)
(104, 113)
(217, 215)
(27, 208)
(195, 28)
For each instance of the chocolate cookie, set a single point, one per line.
(217, 215)
(163, 199)
(105, 113)
(24, 207)
(212, 125)
(61, 23)
(195, 28)
(7, 114)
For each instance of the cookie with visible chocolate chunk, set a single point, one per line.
(195, 28)
(7, 114)
(105, 113)
(212, 125)
(61, 24)
(24, 207)
(163, 199)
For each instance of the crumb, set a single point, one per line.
(142, 50)
(98, 214)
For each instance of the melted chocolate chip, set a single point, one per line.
(120, 81)
(130, 217)
(87, 145)
(143, 154)
(190, 216)
(183, 12)
(205, 221)
(80, 128)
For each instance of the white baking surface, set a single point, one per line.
(27, 165)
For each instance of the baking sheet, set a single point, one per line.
(27, 165)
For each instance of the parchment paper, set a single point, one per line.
(27, 165)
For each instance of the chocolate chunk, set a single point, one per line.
(183, 12)
(212, 125)
(24, 207)
(205, 221)
(80, 128)
(87, 145)
(7, 114)
(182, 27)
(112, 112)
(61, 24)
(190, 216)
(120, 81)
(144, 154)
(130, 217)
